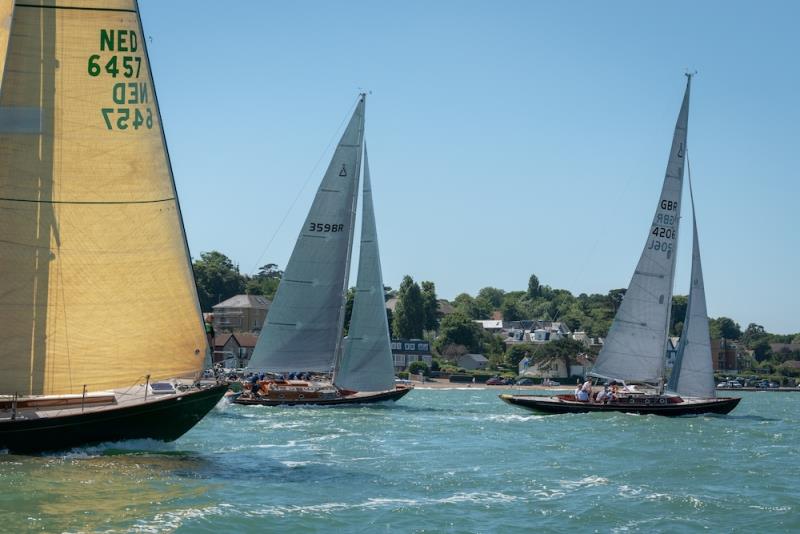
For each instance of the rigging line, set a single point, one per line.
(305, 183)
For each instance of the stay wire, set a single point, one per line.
(303, 187)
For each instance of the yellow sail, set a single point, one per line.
(6, 9)
(96, 287)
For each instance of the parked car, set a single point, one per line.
(774, 385)
(497, 381)
(525, 382)
(548, 382)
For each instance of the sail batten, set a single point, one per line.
(303, 328)
(635, 346)
(367, 363)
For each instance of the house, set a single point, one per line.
(591, 342)
(472, 362)
(556, 369)
(491, 325)
(242, 313)
(406, 351)
(545, 331)
(535, 331)
(234, 350)
(723, 354)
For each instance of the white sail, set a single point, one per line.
(303, 329)
(367, 363)
(635, 347)
(693, 372)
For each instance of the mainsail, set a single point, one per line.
(304, 327)
(6, 14)
(367, 363)
(635, 347)
(693, 372)
(96, 287)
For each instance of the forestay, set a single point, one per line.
(367, 363)
(304, 325)
(693, 372)
(96, 287)
(635, 347)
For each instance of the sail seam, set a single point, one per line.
(78, 8)
(114, 202)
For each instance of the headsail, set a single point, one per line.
(693, 372)
(367, 363)
(96, 286)
(304, 327)
(635, 347)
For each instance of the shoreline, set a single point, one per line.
(435, 384)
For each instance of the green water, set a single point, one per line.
(437, 461)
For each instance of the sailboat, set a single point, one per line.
(103, 339)
(302, 334)
(634, 352)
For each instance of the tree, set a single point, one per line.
(516, 353)
(458, 329)
(761, 349)
(265, 282)
(492, 296)
(511, 311)
(752, 334)
(724, 327)
(418, 367)
(561, 350)
(348, 309)
(409, 315)
(467, 305)
(217, 279)
(678, 315)
(452, 352)
(534, 290)
(430, 306)
(615, 297)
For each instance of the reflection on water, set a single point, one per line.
(97, 489)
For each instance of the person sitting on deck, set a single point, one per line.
(604, 396)
(583, 395)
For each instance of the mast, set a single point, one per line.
(345, 284)
(663, 366)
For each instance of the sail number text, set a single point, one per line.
(325, 227)
(660, 231)
(128, 98)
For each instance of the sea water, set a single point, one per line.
(440, 460)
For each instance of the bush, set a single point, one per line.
(418, 367)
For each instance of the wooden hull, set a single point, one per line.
(356, 398)
(163, 420)
(561, 404)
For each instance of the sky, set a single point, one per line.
(506, 138)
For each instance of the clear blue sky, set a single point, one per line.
(506, 138)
